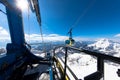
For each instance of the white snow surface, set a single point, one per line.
(38, 53)
(106, 46)
(102, 43)
(83, 65)
(110, 72)
(80, 59)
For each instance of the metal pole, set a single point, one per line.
(15, 22)
(100, 66)
(65, 62)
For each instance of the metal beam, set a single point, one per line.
(37, 10)
(15, 22)
(8, 4)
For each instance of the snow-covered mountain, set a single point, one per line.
(106, 46)
(82, 44)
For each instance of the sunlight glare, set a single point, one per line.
(22, 4)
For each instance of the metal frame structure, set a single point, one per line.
(18, 56)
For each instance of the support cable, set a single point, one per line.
(2, 12)
(44, 49)
(83, 14)
(29, 24)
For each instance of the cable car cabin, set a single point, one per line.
(70, 42)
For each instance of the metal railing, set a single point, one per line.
(100, 62)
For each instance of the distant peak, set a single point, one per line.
(103, 39)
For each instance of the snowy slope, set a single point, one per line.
(102, 44)
(83, 65)
(106, 46)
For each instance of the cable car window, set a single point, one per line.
(4, 30)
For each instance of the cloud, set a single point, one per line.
(117, 35)
(83, 39)
(53, 35)
(3, 31)
(4, 35)
(50, 37)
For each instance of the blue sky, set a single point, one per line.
(101, 18)
(89, 18)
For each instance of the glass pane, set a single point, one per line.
(4, 30)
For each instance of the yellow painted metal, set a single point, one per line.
(59, 66)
